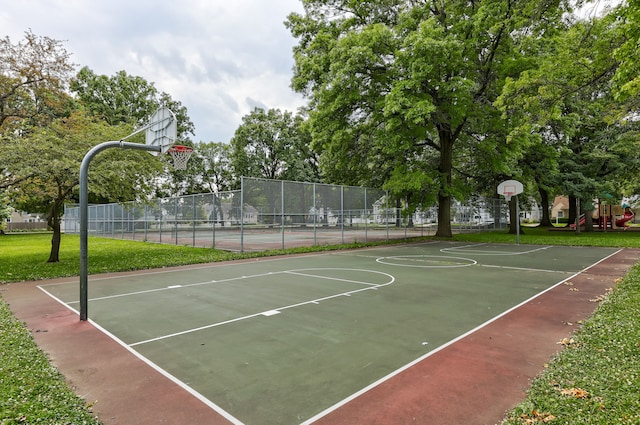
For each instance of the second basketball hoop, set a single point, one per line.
(180, 155)
(510, 188)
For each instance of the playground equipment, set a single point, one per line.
(613, 216)
(626, 216)
(582, 221)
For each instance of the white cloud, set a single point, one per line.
(220, 59)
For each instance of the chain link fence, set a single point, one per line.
(275, 214)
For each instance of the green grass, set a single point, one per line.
(542, 236)
(593, 381)
(24, 256)
(31, 390)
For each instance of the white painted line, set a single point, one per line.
(330, 278)
(270, 313)
(526, 269)
(443, 346)
(157, 368)
(397, 261)
(279, 309)
(463, 249)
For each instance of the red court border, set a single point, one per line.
(472, 381)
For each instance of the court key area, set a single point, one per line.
(288, 340)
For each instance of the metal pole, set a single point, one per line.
(193, 222)
(366, 215)
(146, 223)
(386, 214)
(282, 210)
(175, 218)
(241, 214)
(342, 212)
(517, 221)
(84, 212)
(215, 216)
(315, 217)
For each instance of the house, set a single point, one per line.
(560, 208)
(26, 221)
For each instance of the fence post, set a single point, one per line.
(366, 216)
(241, 214)
(386, 212)
(315, 217)
(193, 227)
(282, 210)
(175, 218)
(215, 216)
(342, 212)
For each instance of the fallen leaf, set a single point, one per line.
(574, 392)
(566, 342)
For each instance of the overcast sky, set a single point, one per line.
(219, 58)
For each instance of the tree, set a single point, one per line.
(125, 98)
(392, 80)
(566, 109)
(274, 145)
(5, 211)
(208, 170)
(627, 78)
(45, 133)
(33, 79)
(215, 173)
(47, 164)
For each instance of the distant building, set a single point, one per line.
(26, 221)
(560, 208)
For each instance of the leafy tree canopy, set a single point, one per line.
(401, 87)
(124, 98)
(275, 145)
(34, 74)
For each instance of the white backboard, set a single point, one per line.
(510, 188)
(162, 129)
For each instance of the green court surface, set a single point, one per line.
(286, 340)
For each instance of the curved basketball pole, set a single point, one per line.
(150, 146)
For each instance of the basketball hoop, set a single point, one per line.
(510, 188)
(180, 155)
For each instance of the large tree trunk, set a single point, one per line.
(587, 210)
(573, 213)
(53, 221)
(545, 221)
(514, 217)
(444, 216)
(444, 192)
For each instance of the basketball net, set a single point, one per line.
(180, 155)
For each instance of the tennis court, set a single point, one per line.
(290, 339)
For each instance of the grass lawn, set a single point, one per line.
(593, 381)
